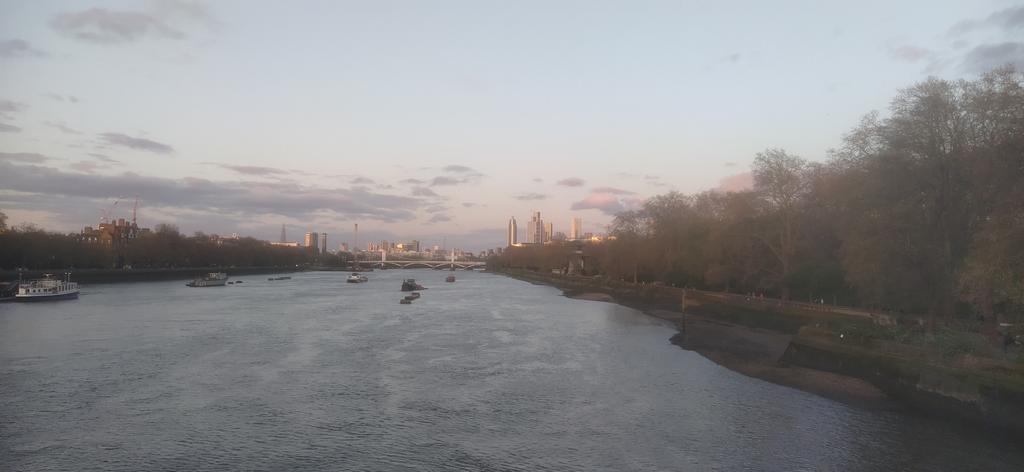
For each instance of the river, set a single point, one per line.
(488, 373)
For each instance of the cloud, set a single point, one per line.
(458, 169)
(143, 144)
(412, 181)
(571, 182)
(538, 179)
(606, 203)
(442, 180)
(908, 53)
(251, 170)
(1009, 19)
(439, 218)
(223, 199)
(6, 128)
(29, 157)
(612, 191)
(736, 183)
(730, 164)
(361, 180)
(104, 158)
(102, 26)
(423, 192)
(87, 166)
(12, 48)
(732, 58)
(435, 208)
(62, 127)
(989, 56)
(468, 204)
(9, 106)
(63, 98)
(529, 196)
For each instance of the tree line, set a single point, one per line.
(31, 248)
(920, 211)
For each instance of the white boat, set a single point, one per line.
(356, 278)
(213, 279)
(47, 288)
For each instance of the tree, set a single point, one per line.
(780, 181)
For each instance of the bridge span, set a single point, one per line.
(398, 264)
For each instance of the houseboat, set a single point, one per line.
(47, 288)
(213, 279)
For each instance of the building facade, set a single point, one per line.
(513, 233)
(312, 241)
(576, 230)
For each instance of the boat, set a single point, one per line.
(240, 281)
(409, 285)
(449, 279)
(356, 278)
(412, 296)
(279, 278)
(47, 288)
(213, 279)
(405, 301)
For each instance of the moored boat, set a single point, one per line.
(213, 279)
(412, 296)
(356, 278)
(47, 288)
(449, 279)
(408, 285)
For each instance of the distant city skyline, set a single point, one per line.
(427, 121)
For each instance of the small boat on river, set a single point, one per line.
(213, 279)
(356, 278)
(47, 288)
(412, 296)
(450, 279)
(409, 285)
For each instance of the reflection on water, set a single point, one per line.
(488, 373)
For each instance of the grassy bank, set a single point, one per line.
(844, 354)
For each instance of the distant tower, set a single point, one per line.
(355, 240)
(135, 208)
(576, 231)
(535, 229)
(513, 232)
(323, 243)
(549, 232)
(311, 241)
(284, 239)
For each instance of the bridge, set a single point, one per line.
(384, 263)
(397, 264)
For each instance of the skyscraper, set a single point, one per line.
(576, 230)
(535, 229)
(323, 243)
(311, 241)
(513, 232)
(549, 231)
(283, 238)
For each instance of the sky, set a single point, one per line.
(438, 121)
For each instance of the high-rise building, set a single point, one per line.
(576, 230)
(283, 236)
(535, 229)
(548, 232)
(311, 240)
(513, 232)
(323, 243)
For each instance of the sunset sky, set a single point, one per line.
(430, 120)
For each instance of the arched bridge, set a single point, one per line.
(397, 264)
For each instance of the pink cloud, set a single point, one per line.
(736, 183)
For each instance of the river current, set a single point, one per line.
(487, 373)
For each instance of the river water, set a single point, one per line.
(488, 373)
